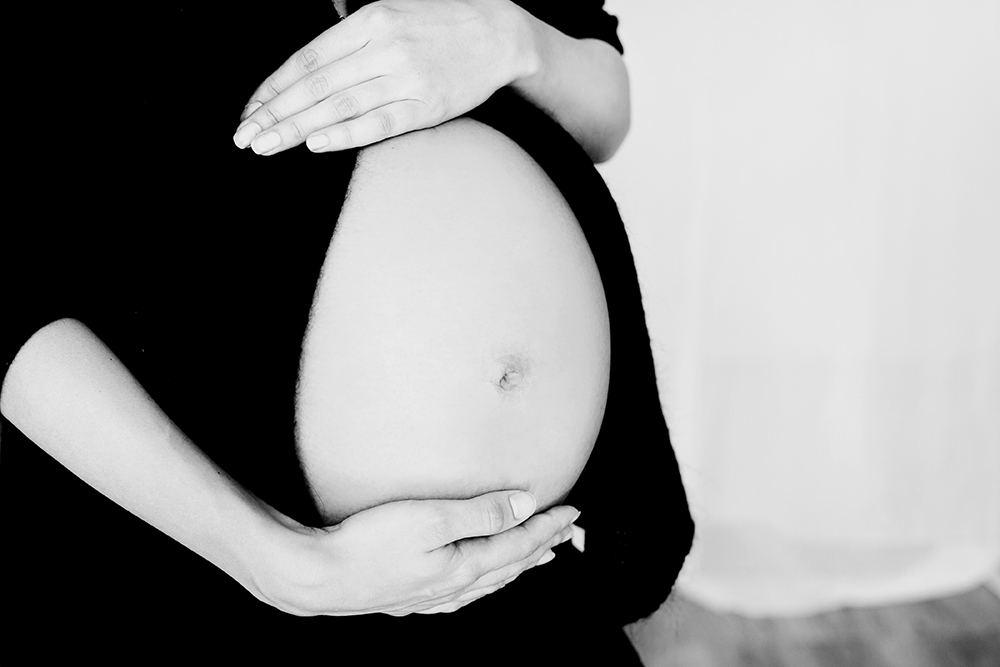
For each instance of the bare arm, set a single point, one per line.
(400, 65)
(70, 395)
(582, 83)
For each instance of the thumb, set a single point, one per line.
(488, 514)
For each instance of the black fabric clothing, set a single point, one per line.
(582, 19)
(151, 228)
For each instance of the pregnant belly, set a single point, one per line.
(459, 339)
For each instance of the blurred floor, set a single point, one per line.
(957, 631)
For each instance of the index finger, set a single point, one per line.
(331, 45)
(486, 514)
(518, 543)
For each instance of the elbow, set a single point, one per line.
(617, 122)
(605, 149)
(33, 361)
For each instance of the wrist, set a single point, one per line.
(260, 537)
(245, 530)
(291, 566)
(524, 37)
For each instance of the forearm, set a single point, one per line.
(71, 396)
(582, 83)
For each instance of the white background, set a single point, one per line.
(812, 191)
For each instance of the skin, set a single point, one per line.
(72, 397)
(401, 65)
(459, 339)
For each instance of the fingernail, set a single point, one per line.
(578, 513)
(317, 141)
(249, 109)
(245, 134)
(523, 504)
(548, 557)
(266, 142)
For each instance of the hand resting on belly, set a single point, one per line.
(459, 339)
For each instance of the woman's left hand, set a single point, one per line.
(389, 68)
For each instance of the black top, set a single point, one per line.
(158, 247)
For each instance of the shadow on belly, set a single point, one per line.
(459, 339)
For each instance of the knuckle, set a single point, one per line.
(378, 16)
(399, 49)
(317, 85)
(298, 132)
(346, 106)
(438, 113)
(272, 114)
(415, 88)
(307, 60)
(437, 523)
(386, 122)
(348, 135)
(270, 88)
(433, 593)
(494, 515)
(465, 577)
(437, 589)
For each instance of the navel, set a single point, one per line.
(509, 373)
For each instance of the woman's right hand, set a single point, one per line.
(68, 393)
(411, 556)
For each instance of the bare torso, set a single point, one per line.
(459, 340)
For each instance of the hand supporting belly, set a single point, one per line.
(459, 340)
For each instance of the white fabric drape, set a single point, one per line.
(812, 190)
